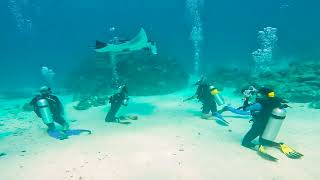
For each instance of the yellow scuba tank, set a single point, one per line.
(274, 124)
(45, 111)
(217, 96)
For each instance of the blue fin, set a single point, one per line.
(75, 132)
(220, 120)
(57, 134)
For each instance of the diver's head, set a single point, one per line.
(249, 91)
(123, 89)
(265, 93)
(201, 81)
(45, 90)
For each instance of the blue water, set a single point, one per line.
(58, 33)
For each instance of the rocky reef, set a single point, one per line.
(143, 73)
(299, 82)
(151, 74)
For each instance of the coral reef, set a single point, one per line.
(91, 101)
(298, 83)
(151, 75)
(143, 72)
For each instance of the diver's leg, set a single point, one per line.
(205, 108)
(253, 133)
(111, 116)
(237, 111)
(266, 142)
(206, 111)
(55, 133)
(213, 107)
(51, 126)
(60, 120)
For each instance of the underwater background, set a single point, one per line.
(161, 131)
(58, 33)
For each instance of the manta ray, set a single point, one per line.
(139, 42)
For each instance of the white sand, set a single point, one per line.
(168, 142)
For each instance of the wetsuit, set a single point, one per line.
(261, 112)
(55, 106)
(207, 100)
(116, 100)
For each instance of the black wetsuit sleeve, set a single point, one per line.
(33, 103)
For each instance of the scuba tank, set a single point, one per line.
(45, 111)
(217, 96)
(274, 124)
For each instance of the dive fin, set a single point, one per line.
(57, 134)
(75, 132)
(222, 122)
(289, 152)
(262, 152)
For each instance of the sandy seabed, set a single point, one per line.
(169, 141)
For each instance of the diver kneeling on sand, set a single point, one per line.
(268, 113)
(50, 109)
(209, 96)
(117, 100)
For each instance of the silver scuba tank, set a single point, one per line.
(274, 124)
(45, 111)
(217, 96)
(219, 99)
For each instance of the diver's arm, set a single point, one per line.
(283, 103)
(190, 98)
(254, 107)
(33, 102)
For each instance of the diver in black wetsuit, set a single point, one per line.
(54, 105)
(261, 111)
(116, 101)
(205, 96)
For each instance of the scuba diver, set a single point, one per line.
(116, 101)
(248, 94)
(268, 113)
(50, 109)
(209, 96)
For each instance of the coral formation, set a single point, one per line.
(298, 83)
(143, 72)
